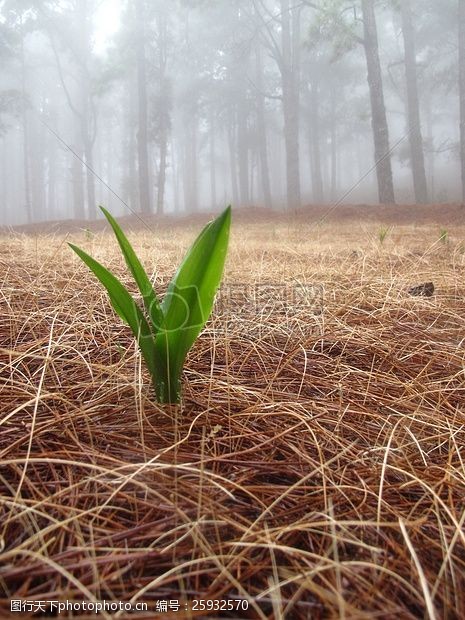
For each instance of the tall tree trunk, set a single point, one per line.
(417, 158)
(252, 174)
(132, 154)
(175, 174)
(232, 153)
(78, 186)
(190, 171)
(80, 105)
(165, 101)
(24, 119)
(38, 183)
(462, 90)
(105, 158)
(142, 140)
(212, 159)
(51, 180)
(184, 148)
(243, 150)
(194, 163)
(90, 182)
(378, 109)
(317, 179)
(290, 35)
(430, 142)
(334, 177)
(5, 186)
(162, 171)
(87, 120)
(261, 130)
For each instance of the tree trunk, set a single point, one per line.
(51, 171)
(132, 154)
(184, 148)
(261, 130)
(90, 182)
(190, 172)
(290, 36)
(462, 90)
(5, 203)
(212, 159)
(430, 142)
(194, 165)
(334, 177)
(165, 101)
(27, 183)
(88, 122)
(175, 174)
(105, 158)
(252, 175)
(142, 141)
(51, 184)
(232, 154)
(378, 109)
(317, 179)
(37, 172)
(162, 171)
(417, 158)
(78, 186)
(243, 150)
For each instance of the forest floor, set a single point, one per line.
(316, 466)
(448, 214)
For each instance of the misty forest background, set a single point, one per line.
(189, 105)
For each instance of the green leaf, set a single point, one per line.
(151, 302)
(124, 305)
(175, 324)
(189, 300)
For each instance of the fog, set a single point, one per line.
(160, 107)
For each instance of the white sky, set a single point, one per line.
(107, 20)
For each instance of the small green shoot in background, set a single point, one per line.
(166, 331)
(443, 236)
(121, 349)
(89, 235)
(383, 233)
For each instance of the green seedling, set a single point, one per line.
(89, 235)
(121, 349)
(166, 331)
(383, 233)
(443, 236)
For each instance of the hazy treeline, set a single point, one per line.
(193, 104)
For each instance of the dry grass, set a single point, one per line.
(315, 468)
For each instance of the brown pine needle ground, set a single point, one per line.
(316, 466)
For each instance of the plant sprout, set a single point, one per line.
(443, 235)
(166, 331)
(383, 233)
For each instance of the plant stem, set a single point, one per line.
(166, 380)
(167, 391)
